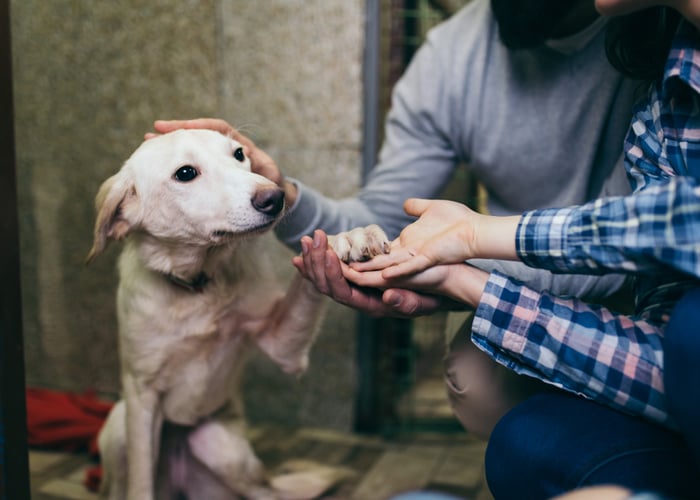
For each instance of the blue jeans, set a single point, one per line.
(424, 495)
(556, 442)
(682, 368)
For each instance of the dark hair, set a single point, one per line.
(637, 44)
(526, 24)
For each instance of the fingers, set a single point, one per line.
(379, 278)
(380, 261)
(316, 260)
(244, 140)
(298, 262)
(260, 162)
(371, 279)
(399, 263)
(415, 265)
(319, 264)
(416, 206)
(216, 124)
(322, 266)
(165, 126)
(409, 304)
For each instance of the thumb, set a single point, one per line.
(407, 303)
(416, 206)
(165, 126)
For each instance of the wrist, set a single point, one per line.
(495, 237)
(465, 284)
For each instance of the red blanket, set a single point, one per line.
(66, 421)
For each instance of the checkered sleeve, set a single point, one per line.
(654, 227)
(588, 350)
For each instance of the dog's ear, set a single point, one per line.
(113, 197)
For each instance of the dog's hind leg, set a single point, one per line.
(112, 446)
(221, 446)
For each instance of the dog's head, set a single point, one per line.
(191, 187)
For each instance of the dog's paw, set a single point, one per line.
(307, 480)
(360, 244)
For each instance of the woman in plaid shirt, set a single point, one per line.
(642, 364)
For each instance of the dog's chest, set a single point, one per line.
(202, 382)
(192, 350)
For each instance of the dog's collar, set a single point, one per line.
(194, 285)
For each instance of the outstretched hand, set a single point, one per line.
(446, 232)
(457, 283)
(443, 234)
(319, 264)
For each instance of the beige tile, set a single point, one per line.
(40, 461)
(341, 438)
(462, 467)
(78, 474)
(64, 488)
(397, 471)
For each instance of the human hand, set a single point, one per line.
(443, 234)
(165, 126)
(319, 264)
(460, 283)
(446, 232)
(260, 162)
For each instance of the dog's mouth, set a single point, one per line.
(222, 235)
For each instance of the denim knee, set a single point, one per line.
(681, 370)
(683, 329)
(425, 495)
(481, 391)
(557, 442)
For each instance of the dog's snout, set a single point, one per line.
(268, 201)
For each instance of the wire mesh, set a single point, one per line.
(408, 354)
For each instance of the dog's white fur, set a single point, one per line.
(193, 296)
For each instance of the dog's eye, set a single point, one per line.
(238, 154)
(186, 173)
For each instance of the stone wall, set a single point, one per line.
(90, 78)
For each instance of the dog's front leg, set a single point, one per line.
(290, 330)
(143, 425)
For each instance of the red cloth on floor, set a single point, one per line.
(67, 421)
(93, 478)
(63, 420)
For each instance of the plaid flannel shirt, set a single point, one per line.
(608, 357)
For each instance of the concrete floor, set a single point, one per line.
(448, 462)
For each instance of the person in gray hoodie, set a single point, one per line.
(526, 99)
(520, 91)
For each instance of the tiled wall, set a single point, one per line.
(90, 78)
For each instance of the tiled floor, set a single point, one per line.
(451, 462)
(444, 458)
(57, 475)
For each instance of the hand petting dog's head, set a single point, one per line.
(193, 186)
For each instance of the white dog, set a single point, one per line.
(193, 296)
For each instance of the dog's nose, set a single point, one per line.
(268, 201)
